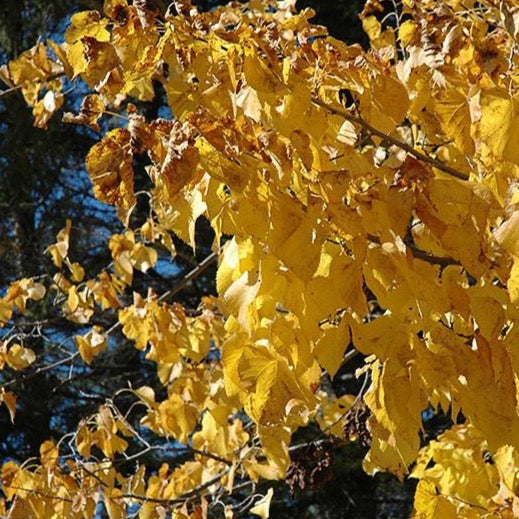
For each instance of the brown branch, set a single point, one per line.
(193, 274)
(41, 369)
(420, 254)
(207, 455)
(184, 497)
(431, 258)
(10, 90)
(15, 88)
(39, 493)
(138, 497)
(396, 142)
(95, 476)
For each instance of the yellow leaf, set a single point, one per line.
(452, 108)
(143, 257)
(333, 412)
(19, 358)
(102, 66)
(238, 300)
(329, 349)
(512, 283)
(218, 436)
(408, 31)
(9, 399)
(91, 344)
(61, 54)
(114, 503)
(109, 164)
(9, 473)
(87, 23)
(507, 234)
(49, 454)
(5, 312)
(499, 124)
(31, 65)
(21, 291)
(262, 507)
(177, 418)
(122, 246)
(44, 109)
(84, 440)
(389, 99)
(456, 475)
(430, 505)
(77, 271)
(248, 100)
(372, 27)
(274, 391)
(325, 294)
(294, 230)
(59, 250)
(106, 434)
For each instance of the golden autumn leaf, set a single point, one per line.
(262, 507)
(59, 250)
(507, 234)
(87, 23)
(453, 110)
(5, 311)
(177, 418)
(101, 65)
(31, 65)
(8, 475)
(109, 164)
(498, 127)
(91, 344)
(19, 358)
(430, 505)
(21, 291)
(330, 348)
(49, 454)
(9, 399)
(44, 109)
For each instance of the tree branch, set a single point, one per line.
(396, 142)
(190, 276)
(421, 254)
(182, 498)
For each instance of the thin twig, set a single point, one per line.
(39, 493)
(52, 77)
(40, 370)
(10, 90)
(199, 269)
(396, 142)
(184, 497)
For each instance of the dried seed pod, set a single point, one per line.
(310, 466)
(355, 425)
